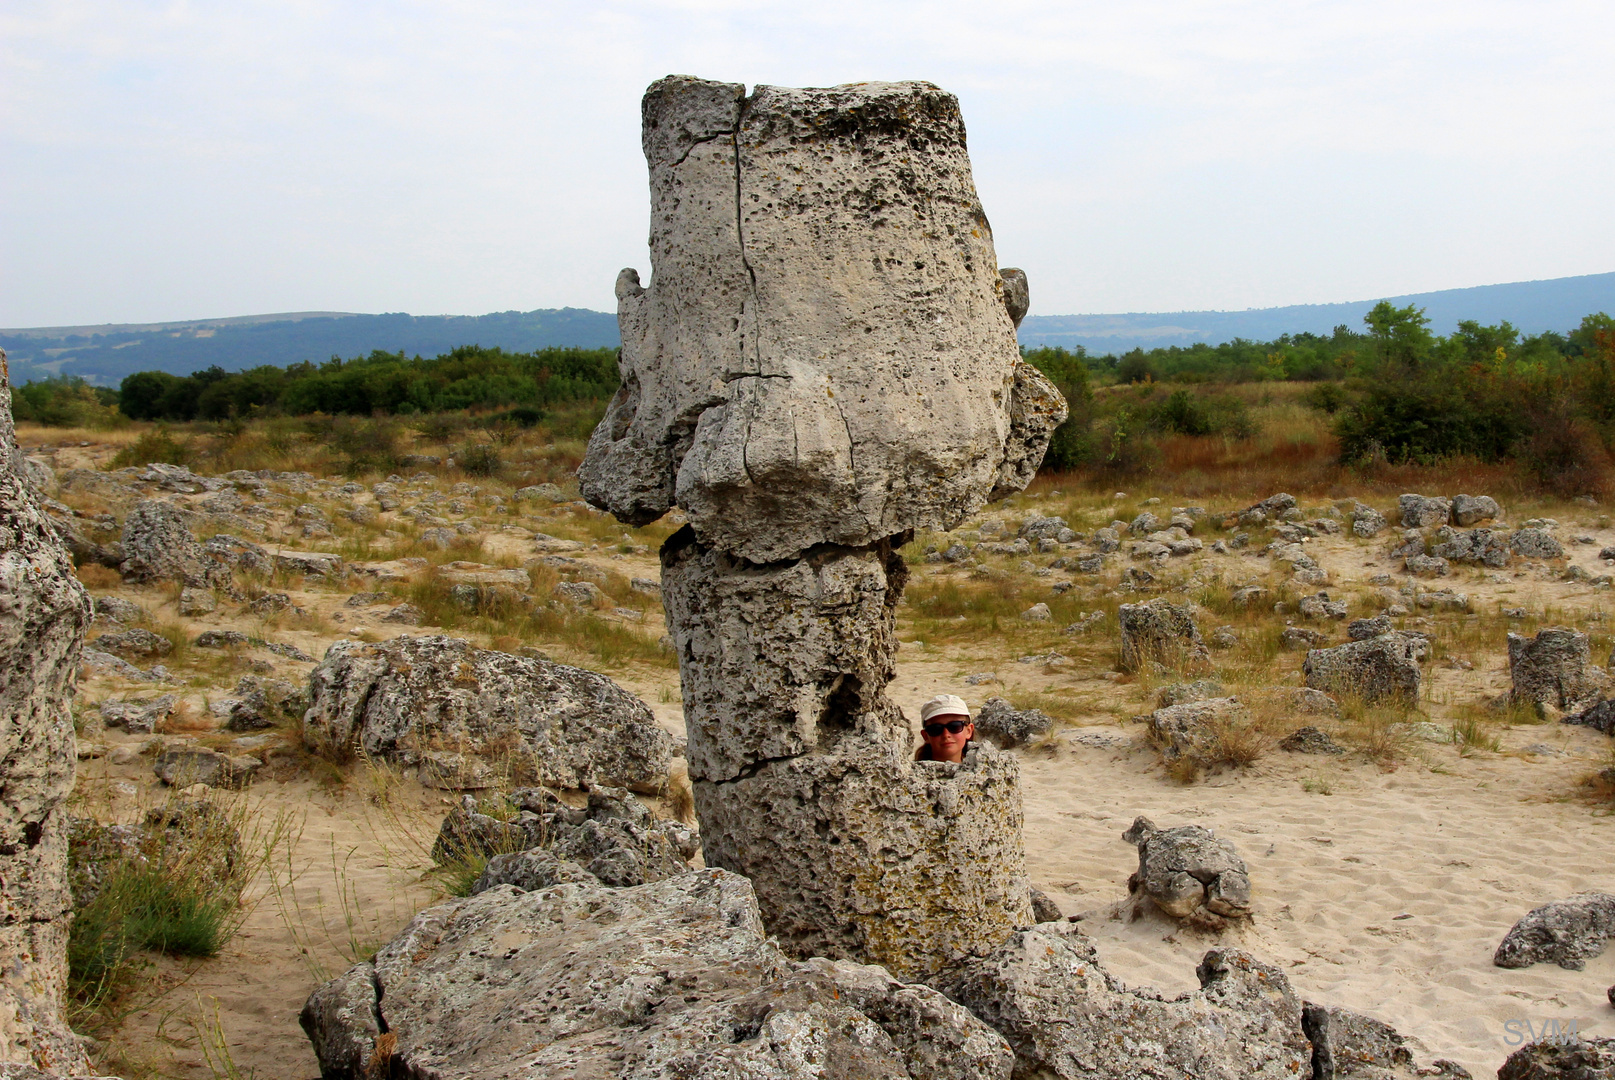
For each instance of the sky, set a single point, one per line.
(181, 160)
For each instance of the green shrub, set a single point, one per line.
(156, 445)
(478, 459)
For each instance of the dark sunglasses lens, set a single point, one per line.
(952, 727)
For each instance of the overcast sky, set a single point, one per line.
(192, 160)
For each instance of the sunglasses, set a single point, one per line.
(952, 727)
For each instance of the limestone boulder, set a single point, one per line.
(784, 405)
(1470, 510)
(1481, 547)
(862, 853)
(1535, 543)
(779, 660)
(158, 545)
(1599, 717)
(138, 716)
(1187, 870)
(1423, 511)
(1067, 1018)
(137, 643)
(1563, 1058)
(400, 699)
(1007, 726)
(1379, 668)
(1192, 729)
(1566, 932)
(674, 978)
(1161, 631)
(43, 615)
(1553, 668)
(1366, 522)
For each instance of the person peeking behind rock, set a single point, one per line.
(947, 729)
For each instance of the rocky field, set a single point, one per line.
(348, 699)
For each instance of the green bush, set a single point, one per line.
(478, 459)
(156, 445)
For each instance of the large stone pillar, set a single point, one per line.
(43, 615)
(824, 361)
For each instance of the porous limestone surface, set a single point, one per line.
(777, 659)
(861, 853)
(670, 979)
(1067, 1018)
(824, 353)
(408, 697)
(43, 615)
(1553, 668)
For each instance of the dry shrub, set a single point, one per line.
(96, 576)
(680, 796)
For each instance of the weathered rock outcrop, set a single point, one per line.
(858, 852)
(825, 354)
(408, 697)
(43, 615)
(1566, 932)
(1553, 668)
(1374, 669)
(1160, 631)
(671, 979)
(825, 360)
(1188, 871)
(158, 545)
(1006, 726)
(1067, 1018)
(1564, 1058)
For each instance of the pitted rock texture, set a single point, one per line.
(1553, 668)
(1345, 1043)
(1566, 932)
(404, 698)
(862, 853)
(1161, 631)
(1006, 726)
(1187, 868)
(665, 980)
(1375, 669)
(778, 660)
(158, 545)
(1067, 1018)
(826, 352)
(43, 615)
(1565, 1058)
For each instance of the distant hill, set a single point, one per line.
(1532, 306)
(105, 354)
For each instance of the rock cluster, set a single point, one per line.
(420, 699)
(809, 378)
(43, 615)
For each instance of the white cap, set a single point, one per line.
(944, 705)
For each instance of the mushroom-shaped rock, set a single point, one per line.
(805, 368)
